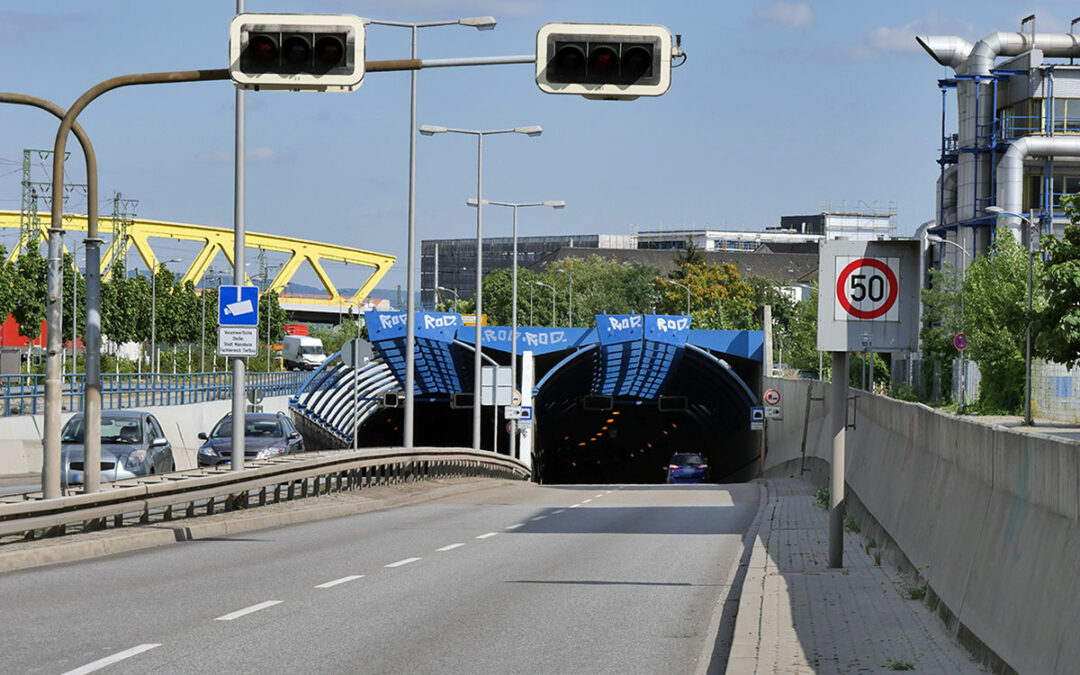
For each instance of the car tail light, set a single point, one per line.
(673, 467)
(703, 466)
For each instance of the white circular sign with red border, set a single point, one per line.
(771, 397)
(867, 289)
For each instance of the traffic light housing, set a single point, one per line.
(296, 52)
(391, 399)
(603, 61)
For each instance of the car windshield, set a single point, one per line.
(311, 350)
(687, 459)
(253, 428)
(114, 429)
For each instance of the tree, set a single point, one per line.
(74, 290)
(801, 345)
(689, 255)
(719, 298)
(1057, 327)
(30, 290)
(941, 322)
(995, 300)
(7, 289)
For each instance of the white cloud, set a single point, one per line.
(790, 14)
(902, 38)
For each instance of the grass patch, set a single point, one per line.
(899, 664)
(851, 525)
(821, 497)
(877, 558)
(916, 592)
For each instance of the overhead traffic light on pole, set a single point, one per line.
(297, 52)
(604, 61)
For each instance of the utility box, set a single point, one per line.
(10, 360)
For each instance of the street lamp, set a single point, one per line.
(997, 210)
(963, 269)
(480, 23)
(449, 290)
(541, 283)
(428, 130)
(153, 309)
(514, 287)
(570, 309)
(686, 286)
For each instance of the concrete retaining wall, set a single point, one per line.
(20, 437)
(988, 517)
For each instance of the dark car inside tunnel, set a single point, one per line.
(704, 408)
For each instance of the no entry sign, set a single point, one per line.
(869, 295)
(867, 288)
(771, 397)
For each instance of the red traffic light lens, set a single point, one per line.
(603, 63)
(262, 51)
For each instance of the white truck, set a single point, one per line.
(302, 352)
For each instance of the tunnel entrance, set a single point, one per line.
(704, 408)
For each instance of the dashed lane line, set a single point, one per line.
(558, 511)
(538, 518)
(487, 536)
(450, 547)
(514, 526)
(342, 580)
(406, 561)
(586, 501)
(248, 610)
(109, 660)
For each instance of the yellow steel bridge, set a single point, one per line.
(216, 239)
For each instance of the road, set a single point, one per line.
(515, 578)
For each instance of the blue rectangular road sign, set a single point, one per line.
(238, 306)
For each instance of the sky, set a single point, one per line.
(781, 108)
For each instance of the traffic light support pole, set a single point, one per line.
(50, 480)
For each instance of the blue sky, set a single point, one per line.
(781, 108)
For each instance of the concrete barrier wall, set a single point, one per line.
(20, 437)
(988, 517)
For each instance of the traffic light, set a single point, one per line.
(297, 52)
(391, 399)
(603, 61)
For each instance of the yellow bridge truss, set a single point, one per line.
(215, 239)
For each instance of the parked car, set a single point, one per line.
(302, 352)
(132, 444)
(687, 467)
(265, 435)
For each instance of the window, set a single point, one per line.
(1066, 116)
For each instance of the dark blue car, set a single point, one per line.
(687, 467)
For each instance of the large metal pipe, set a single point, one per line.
(1010, 170)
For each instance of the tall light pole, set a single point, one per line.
(480, 23)
(963, 269)
(514, 287)
(477, 367)
(450, 290)
(685, 286)
(541, 283)
(153, 310)
(570, 308)
(1027, 339)
(531, 287)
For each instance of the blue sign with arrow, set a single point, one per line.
(238, 306)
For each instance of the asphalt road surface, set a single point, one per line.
(518, 578)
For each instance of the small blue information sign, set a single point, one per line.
(238, 306)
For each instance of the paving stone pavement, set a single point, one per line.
(798, 616)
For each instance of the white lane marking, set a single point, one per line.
(248, 610)
(109, 660)
(485, 536)
(573, 506)
(609, 492)
(599, 496)
(538, 518)
(558, 511)
(585, 501)
(342, 580)
(514, 527)
(406, 561)
(450, 547)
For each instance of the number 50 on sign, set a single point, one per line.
(866, 288)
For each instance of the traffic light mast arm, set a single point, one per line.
(418, 64)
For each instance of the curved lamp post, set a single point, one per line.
(686, 286)
(963, 269)
(549, 286)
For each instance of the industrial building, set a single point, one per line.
(1013, 143)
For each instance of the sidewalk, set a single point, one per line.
(798, 616)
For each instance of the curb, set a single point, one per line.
(746, 641)
(736, 582)
(138, 538)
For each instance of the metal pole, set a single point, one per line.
(202, 331)
(1028, 421)
(479, 282)
(153, 316)
(570, 310)
(512, 450)
(553, 305)
(838, 419)
(531, 289)
(410, 301)
(239, 202)
(356, 390)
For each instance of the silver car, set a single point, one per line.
(132, 444)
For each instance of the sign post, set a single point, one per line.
(869, 293)
(238, 336)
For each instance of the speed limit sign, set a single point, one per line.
(867, 288)
(869, 295)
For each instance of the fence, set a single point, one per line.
(25, 394)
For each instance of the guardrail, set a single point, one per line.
(268, 481)
(25, 394)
